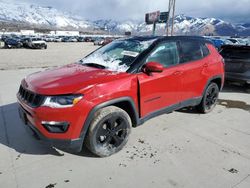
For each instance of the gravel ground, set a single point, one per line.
(56, 54)
(181, 149)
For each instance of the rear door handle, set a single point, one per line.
(205, 65)
(177, 73)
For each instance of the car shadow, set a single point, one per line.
(13, 134)
(189, 110)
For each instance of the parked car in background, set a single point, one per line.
(237, 41)
(49, 39)
(99, 42)
(12, 43)
(227, 42)
(123, 84)
(36, 43)
(89, 39)
(107, 41)
(237, 63)
(247, 41)
(80, 39)
(25, 41)
(69, 39)
(217, 43)
(58, 39)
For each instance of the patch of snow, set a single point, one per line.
(110, 63)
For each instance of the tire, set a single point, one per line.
(108, 132)
(209, 99)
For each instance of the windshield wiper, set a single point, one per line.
(94, 65)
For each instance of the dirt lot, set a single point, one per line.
(181, 149)
(56, 54)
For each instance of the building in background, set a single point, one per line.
(27, 32)
(65, 33)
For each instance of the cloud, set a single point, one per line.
(230, 10)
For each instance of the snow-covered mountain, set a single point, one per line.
(14, 12)
(184, 25)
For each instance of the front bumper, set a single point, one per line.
(71, 139)
(74, 145)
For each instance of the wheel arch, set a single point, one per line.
(216, 79)
(125, 103)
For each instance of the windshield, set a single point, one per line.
(118, 55)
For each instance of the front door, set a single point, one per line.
(160, 90)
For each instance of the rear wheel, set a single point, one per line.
(109, 131)
(209, 99)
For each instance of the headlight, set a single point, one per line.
(63, 101)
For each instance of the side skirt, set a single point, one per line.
(191, 102)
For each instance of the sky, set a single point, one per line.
(236, 11)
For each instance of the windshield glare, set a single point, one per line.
(118, 55)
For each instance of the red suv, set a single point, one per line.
(97, 100)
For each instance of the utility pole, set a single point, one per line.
(154, 28)
(172, 31)
(171, 7)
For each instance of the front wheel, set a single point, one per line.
(209, 99)
(109, 131)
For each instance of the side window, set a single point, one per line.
(205, 50)
(166, 54)
(190, 51)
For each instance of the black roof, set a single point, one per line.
(144, 38)
(157, 38)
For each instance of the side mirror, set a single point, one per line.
(153, 67)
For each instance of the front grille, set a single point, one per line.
(30, 98)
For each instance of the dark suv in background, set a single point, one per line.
(120, 85)
(237, 63)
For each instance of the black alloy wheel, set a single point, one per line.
(112, 132)
(209, 99)
(109, 131)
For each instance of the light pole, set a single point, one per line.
(172, 31)
(171, 7)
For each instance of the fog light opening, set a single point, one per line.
(55, 127)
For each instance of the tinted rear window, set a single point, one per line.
(190, 51)
(236, 53)
(205, 50)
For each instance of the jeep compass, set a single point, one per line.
(97, 100)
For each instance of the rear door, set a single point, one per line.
(160, 90)
(193, 64)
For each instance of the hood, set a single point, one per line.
(68, 79)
